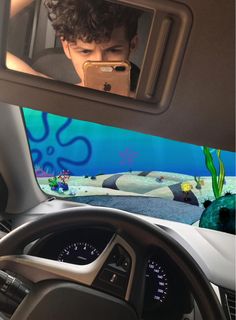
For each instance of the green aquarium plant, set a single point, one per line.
(217, 179)
(199, 181)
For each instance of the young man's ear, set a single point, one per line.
(134, 43)
(65, 45)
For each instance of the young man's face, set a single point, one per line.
(118, 48)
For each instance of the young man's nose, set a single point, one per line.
(99, 56)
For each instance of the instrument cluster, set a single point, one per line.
(165, 289)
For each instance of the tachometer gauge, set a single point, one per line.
(78, 253)
(156, 290)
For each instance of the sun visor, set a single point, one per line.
(182, 71)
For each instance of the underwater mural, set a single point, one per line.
(52, 140)
(76, 159)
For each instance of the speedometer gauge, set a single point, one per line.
(78, 253)
(156, 283)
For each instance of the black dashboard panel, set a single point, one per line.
(166, 293)
(61, 246)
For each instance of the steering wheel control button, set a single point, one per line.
(126, 264)
(114, 276)
(106, 275)
(114, 258)
(119, 259)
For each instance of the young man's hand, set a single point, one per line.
(18, 5)
(13, 62)
(16, 64)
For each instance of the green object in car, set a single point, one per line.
(219, 214)
(217, 180)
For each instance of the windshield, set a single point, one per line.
(91, 163)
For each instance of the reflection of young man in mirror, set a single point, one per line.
(89, 30)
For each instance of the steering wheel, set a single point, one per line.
(66, 291)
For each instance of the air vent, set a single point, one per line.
(230, 296)
(228, 301)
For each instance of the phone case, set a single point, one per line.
(109, 76)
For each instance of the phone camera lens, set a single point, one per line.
(120, 68)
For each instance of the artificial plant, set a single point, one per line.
(217, 179)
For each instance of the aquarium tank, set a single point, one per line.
(100, 165)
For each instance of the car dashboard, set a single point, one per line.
(166, 292)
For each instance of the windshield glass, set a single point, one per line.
(100, 165)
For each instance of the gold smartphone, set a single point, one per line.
(108, 76)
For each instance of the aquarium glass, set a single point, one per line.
(92, 163)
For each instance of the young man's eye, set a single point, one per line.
(85, 51)
(115, 50)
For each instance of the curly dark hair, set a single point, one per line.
(91, 20)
